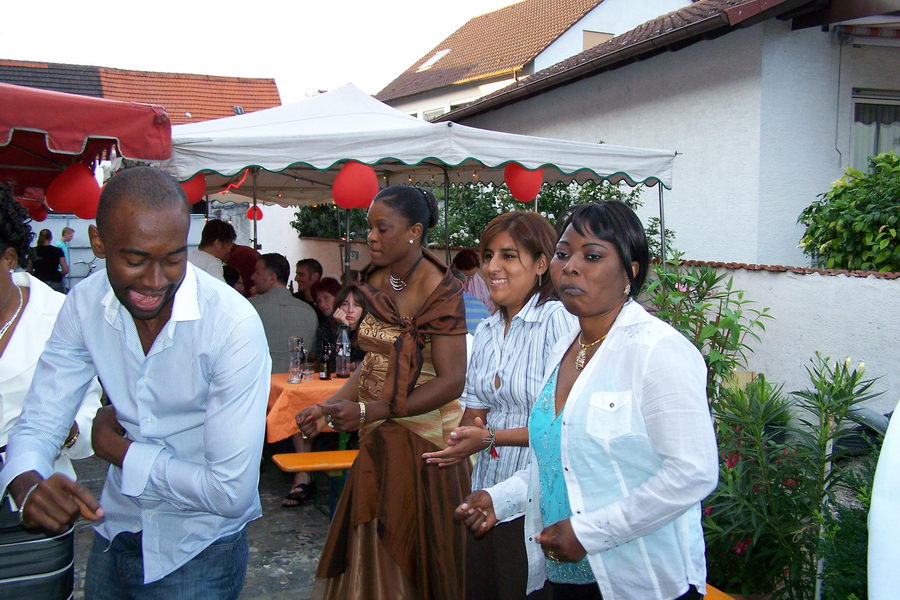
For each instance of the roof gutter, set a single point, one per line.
(530, 87)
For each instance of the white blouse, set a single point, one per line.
(638, 454)
(20, 359)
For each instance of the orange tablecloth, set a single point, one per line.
(287, 399)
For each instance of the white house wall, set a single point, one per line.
(449, 96)
(702, 101)
(610, 16)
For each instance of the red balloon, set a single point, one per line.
(72, 189)
(194, 188)
(524, 184)
(355, 186)
(88, 210)
(255, 213)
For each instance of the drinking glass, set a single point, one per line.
(307, 370)
(295, 370)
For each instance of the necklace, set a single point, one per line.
(399, 283)
(15, 315)
(581, 357)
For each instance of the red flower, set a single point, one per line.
(732, 460)
(707, 511)
(741, 546)
(790, 482)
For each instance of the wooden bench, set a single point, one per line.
(714, 594)
(329, 460)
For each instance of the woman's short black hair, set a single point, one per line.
(15, 232)
(417, 205)
(614, 222)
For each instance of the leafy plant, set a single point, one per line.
(854, 224)
(767, 522)
(329, 221)
(706, 308)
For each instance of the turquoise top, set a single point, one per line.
(544, 428)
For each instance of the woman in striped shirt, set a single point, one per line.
(509, 355)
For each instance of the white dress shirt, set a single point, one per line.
(517, 358)
(194, 407)
(20, 359)
(638, 454)
(205, 261)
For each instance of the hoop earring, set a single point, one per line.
(628, 288)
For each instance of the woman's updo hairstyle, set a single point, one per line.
(616, 223)
(417, 205)
(15, 232)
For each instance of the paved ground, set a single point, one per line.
(284, 544)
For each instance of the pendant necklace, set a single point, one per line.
(15, 315)
(399, 283)
(581, 357)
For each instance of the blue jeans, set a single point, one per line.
(217, 573)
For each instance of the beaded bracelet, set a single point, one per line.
(491, 442)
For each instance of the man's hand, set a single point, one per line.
(55, 503)
(107, 437)
(559, 543)
(477, 512)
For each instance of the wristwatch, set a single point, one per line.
(73, 437)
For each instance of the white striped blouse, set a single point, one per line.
(518, 360)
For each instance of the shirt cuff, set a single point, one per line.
(137, 466)
(593, 530)
(508, 497)
(22, 463)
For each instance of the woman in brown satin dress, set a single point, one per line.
(393, 535)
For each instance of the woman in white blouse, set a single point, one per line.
(622, 443)
(509, 356)
(43, 565)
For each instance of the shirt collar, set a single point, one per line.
(185, 307)
(531, 313)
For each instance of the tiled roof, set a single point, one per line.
(202, 96)
(785, 268)
(702, 19)
(492, 44)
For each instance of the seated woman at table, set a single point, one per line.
(509, 356)
(350, 308)
(393, 534)
(622, 444)
(324, 292)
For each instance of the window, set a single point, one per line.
(594, 38)
(430, 62)
(431, 115)
(238, 110)
(876, 125)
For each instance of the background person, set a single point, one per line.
(622, 443)
(467, 261)
(392, 535)
(28, 308)
(243, 258)
(509, 357)
(325, 292)
(216, 242)
(50, 264)
(66, 236)
(184, 361)
(308, 273)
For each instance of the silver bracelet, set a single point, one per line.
(22, 506)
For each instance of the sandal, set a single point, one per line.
(297, 496)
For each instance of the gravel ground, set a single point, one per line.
(284, 544)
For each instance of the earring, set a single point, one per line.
(627, 288)
(410, 241)
(540, 279)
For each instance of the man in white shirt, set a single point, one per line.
(184, 361)
(216, 242)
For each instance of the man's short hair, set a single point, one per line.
(145, 186)
(66, 230)
(277, 265)
(231, 275)
(217, 231)
(312, 265)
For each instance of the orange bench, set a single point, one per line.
(329, 460)
(714, 594)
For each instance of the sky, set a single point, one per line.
(305, 45)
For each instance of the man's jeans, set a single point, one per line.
(118, 574)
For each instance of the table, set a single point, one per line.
(288, 399)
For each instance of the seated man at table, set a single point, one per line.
(216, 241)
(282, 314)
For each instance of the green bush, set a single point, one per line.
(854, 225)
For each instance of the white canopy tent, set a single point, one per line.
(290, 155)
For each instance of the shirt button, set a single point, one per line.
(566, 469)
(612, 404)
(530, 539)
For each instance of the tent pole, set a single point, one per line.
(347, 252)
(536, 203)
(256, 245)
(662, 226)
(447, 214)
